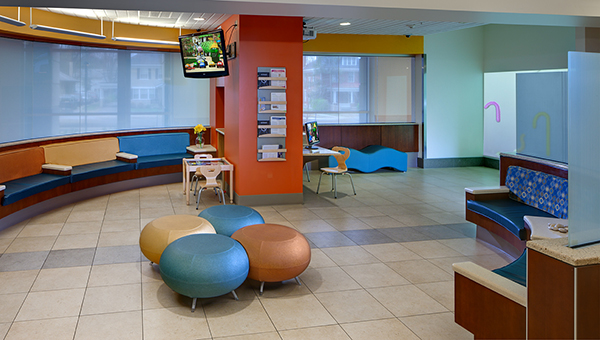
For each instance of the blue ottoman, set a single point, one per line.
(204, 265)
(227, 219)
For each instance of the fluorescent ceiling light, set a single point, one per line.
(199, 19)
(146, 41)
(66, 31)
(11, 21)
(344, 24)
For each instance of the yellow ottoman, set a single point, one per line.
(159, 233)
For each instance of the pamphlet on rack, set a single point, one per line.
(278, 73)
(261, 130)
(270, 154)
(278, 97)
(263, 106)
(278, 120)
(261, 82)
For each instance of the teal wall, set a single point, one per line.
(520, 48)
(454, 94)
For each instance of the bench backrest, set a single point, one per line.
(155, 143)
(20, 163)
(540, 190)
(82, 152)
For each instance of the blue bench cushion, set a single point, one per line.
(24, 187)
(373, 158)
(508, 213)
(516, 270)
(87, 171)
(146, 162)
(543, 191)
(155, 144)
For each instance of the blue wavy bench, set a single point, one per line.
(373, 158)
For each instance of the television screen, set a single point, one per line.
(312, 134)
(203, 54)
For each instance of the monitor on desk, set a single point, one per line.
(311, 130)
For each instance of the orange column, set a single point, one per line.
(263, 41)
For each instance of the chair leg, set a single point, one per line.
(334, 181)
(198, 197)
(306, 170)
(351, 181)
(318, 186)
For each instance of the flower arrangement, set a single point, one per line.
(199, 130)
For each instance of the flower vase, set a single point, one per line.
(200, 141)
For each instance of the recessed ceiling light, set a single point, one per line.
(344, 24)
(199, 19)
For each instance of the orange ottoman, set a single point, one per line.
(159, 233)
(276, 253)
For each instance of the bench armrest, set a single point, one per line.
(57, 169)
(2, 187)
(499, 284)
(127, 157)
(487, 190)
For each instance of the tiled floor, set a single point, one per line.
(380, 269)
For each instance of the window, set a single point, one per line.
(354, 90)
(53, 89)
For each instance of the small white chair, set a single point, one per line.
(341, 169)
(210, 173)
(198, 175)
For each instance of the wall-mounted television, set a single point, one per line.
(203, 54)
(311, 129)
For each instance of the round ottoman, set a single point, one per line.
(204, 265)
(228, 218)
(159, 233)
(276, 252)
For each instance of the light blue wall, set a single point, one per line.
(454, 94)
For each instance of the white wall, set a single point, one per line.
(454, 94)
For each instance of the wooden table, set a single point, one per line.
(190, 165)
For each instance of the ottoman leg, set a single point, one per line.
(298, 280)
(262, 286)
(194, 304)
(235, 295)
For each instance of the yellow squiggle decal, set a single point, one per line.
(535, 118)
(522, 143)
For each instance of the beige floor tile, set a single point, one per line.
(59, 215)
(113, 326)
(280, 289)
(445, 263)
(110, 299)
(4, 329)
(37, 230)
(30, 244)
(121, 238)
(296, 312)
(119, 214)
(391, 252)
(420, 271)
(61, 278)
(227, 317)
(442, 292)
(150, 272)
(17, 282)
(157, 294)
(347, 223)
(431, 249)
(155, 213)
(333, 332)
(77, 228)
(381, 222)
(272, 217)
(110, 226)
(467, 246)
(115, 274)
(413, 220)
(330, 213)
(51, 304)
(388, 329)
(174, 324)
(318, 259)
(257, 336)
(375, 275)
(301, 214)
(363, 211)
(59, 328)
(86, 216)
(4, 244)
(445, 217)
(436, 326)
(344, 256)
(76, 241)
(328, 279)
(406, 300)
(353, 306)
(11, 303)
(312, 226)
(12, 231)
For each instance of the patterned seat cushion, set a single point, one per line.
(540, 190)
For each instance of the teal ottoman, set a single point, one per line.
(204, 265)
(227, 219)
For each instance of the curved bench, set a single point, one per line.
(375, 157)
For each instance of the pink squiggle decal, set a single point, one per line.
(497, 109)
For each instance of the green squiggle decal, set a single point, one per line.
(535, 118)
(522, 143)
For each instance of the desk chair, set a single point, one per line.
(341, 169)
(198, 175)
(210, 173)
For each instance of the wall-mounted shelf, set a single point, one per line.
(271, 114)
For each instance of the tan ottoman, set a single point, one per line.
(159, 233)
(276, 253)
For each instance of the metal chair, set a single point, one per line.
(341, 169)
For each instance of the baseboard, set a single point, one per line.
(274, 199)
(457, 162)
